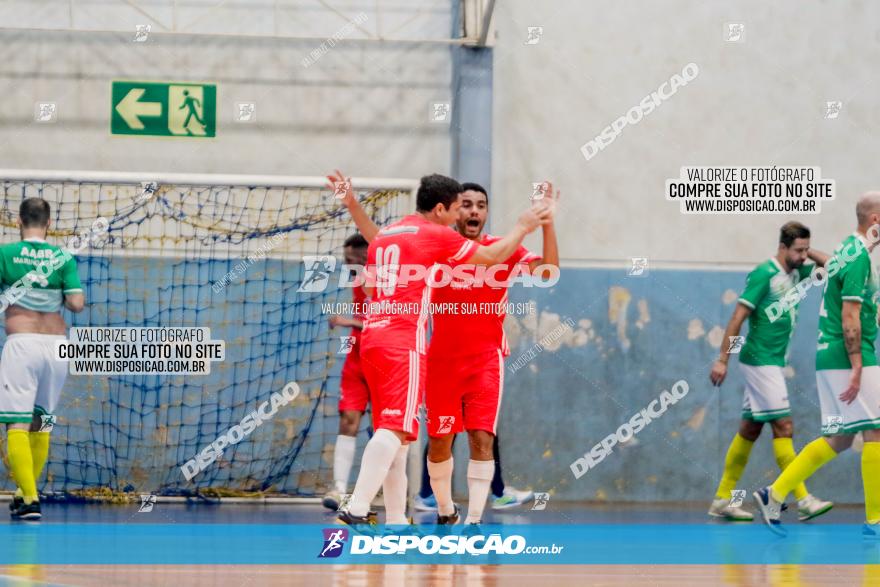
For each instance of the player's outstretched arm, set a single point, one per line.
(502, 249)
(362, 220)
(719, 369)
(550, 248)
(818, 257)
(852, 339)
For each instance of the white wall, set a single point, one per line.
(760, 102)
(363, 106)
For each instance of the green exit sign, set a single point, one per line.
(167, 109)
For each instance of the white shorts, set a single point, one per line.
(862, 414)
(30, 377)
(765, 397)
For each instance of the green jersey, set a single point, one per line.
(856, 280)
(767, 341)
(36, 275)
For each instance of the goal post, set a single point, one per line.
(209, 250)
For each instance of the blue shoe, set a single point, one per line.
(770, 510)
(871, 531)
(425, 504)
(472, 529)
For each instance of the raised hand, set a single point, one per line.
(341, 187)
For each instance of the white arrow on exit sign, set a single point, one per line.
(131, 109)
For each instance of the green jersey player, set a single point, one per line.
(766, 303)
(38, 279)
(847, 375)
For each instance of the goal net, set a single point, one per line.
(218, 251)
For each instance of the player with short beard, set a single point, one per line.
(393, 344)
(466, 360)
(761, 361)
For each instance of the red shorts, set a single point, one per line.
(396, 379)
(353, 391)
(464, 393)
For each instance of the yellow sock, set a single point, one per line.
(871, 480)
(39, 452)
(783, 450)
(21, 463)
(734, 463)
(813, 456)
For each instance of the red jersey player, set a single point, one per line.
(466, 360)
(393, 341)
(353, 391)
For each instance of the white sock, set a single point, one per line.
(378, 456)
(394, 489)
(343, 457)
(479, 475)
(441, 485)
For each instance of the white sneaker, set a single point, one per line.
(770, 510)
(811, 507)
(721, 508)
(511, 498)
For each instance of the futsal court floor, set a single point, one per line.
(109, 545)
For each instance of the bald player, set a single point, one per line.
(847, 373)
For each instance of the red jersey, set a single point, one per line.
(359, 297)
(398, 313)
(467, 333)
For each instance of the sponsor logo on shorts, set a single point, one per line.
(446, 424)
(334, 540)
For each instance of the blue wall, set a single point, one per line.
(138, 430)
(563, 403)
